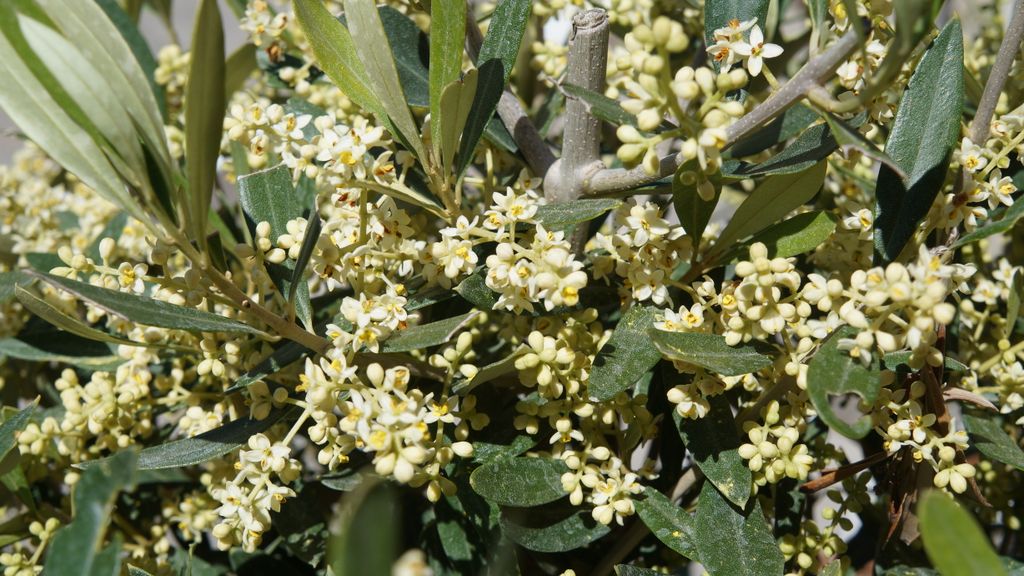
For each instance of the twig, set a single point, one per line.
(808, 78)
(997, 77)
(830, 477)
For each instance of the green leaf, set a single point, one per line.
(201, 448)
(495, 62)
(14, 348)
(205, 101)
(58, 318)
(713, 443)
(309, 241)
(709, 351)
(136, 571)
(562, 215)
(849, 138)
(600, 105)
(484, 452)
(627, 570)
(900, 361)
(668, 522)
(101, 44)
(44, 121)
(409, 46)
(137, 44)
(953, 540)
(834, 372)
(238, 68)
(280, 358)
(1013, 301)
(574, 532)
(403, 193)
(475, 291)
(811, 147)
(148, 311)
(1000, 226)
(13, 426)
(448, 33)
(776, 197)
(731, 542)
(73, 551)
(798, 235)
(506, 365)
(782, 128)
(268, 196)
(693, 211)
(427, 335)
(374, 50)
(627, 355)
(368, 539)
(522, 482)
(926, 128)
(335, 53)
(10, 281)
(456, 103)
(990, 438)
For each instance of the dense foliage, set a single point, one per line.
(609, 285)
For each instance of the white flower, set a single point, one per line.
(756, 50)
(130, 277)
(1001, 189)
(972, 157)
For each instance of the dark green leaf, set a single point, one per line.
(201, 448)
(15, 348)
(58, 318)
(9, 281)
(834, 372)
(990, 438)
(714, 445)
(627, 570)
(427, 335)
(732, 542)
(900, 360)
(286, 354)
(475, 291)
(710, 351)
(849, 138)
(148, 311)
(776, 197)
(574, 532)
(811, 147)
(239, 67)
(309, 241)
(798, 235)
(73, 551)
(563, 215)
(784, 127)
(495, 62)
(520, 482)
(484, 452)
(410, 47)
(600, 105)
(268, 196)
(140, 49)
(926, 128)
(693, 211)
(954, 541)
(627, 355)
(1000, 226)
(667, 521)
(368, 540)
(13, 426)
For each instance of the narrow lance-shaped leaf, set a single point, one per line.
(627, 355)
(714, 445)
(13, 425)
(988, 436)
(733, 542)
(148, 311)
(953, 540)
(667, 521)
(204, 113)
(497, 57)
(268, 196)
(574, 532)
(336, 53)
(600, 105)
(74, 550)
(374, 50)
(925, 130)
(520, 482)
(710, 351)
(834, 372)
(693, 211)
(447, 35)
(201, 448)
(456, 103)
(51, 314)
(126, 25)
(800, 234)
(427, 335)
(309, 240)
(563, 215)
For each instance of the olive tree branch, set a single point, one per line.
(810, 77)
(998, 76)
